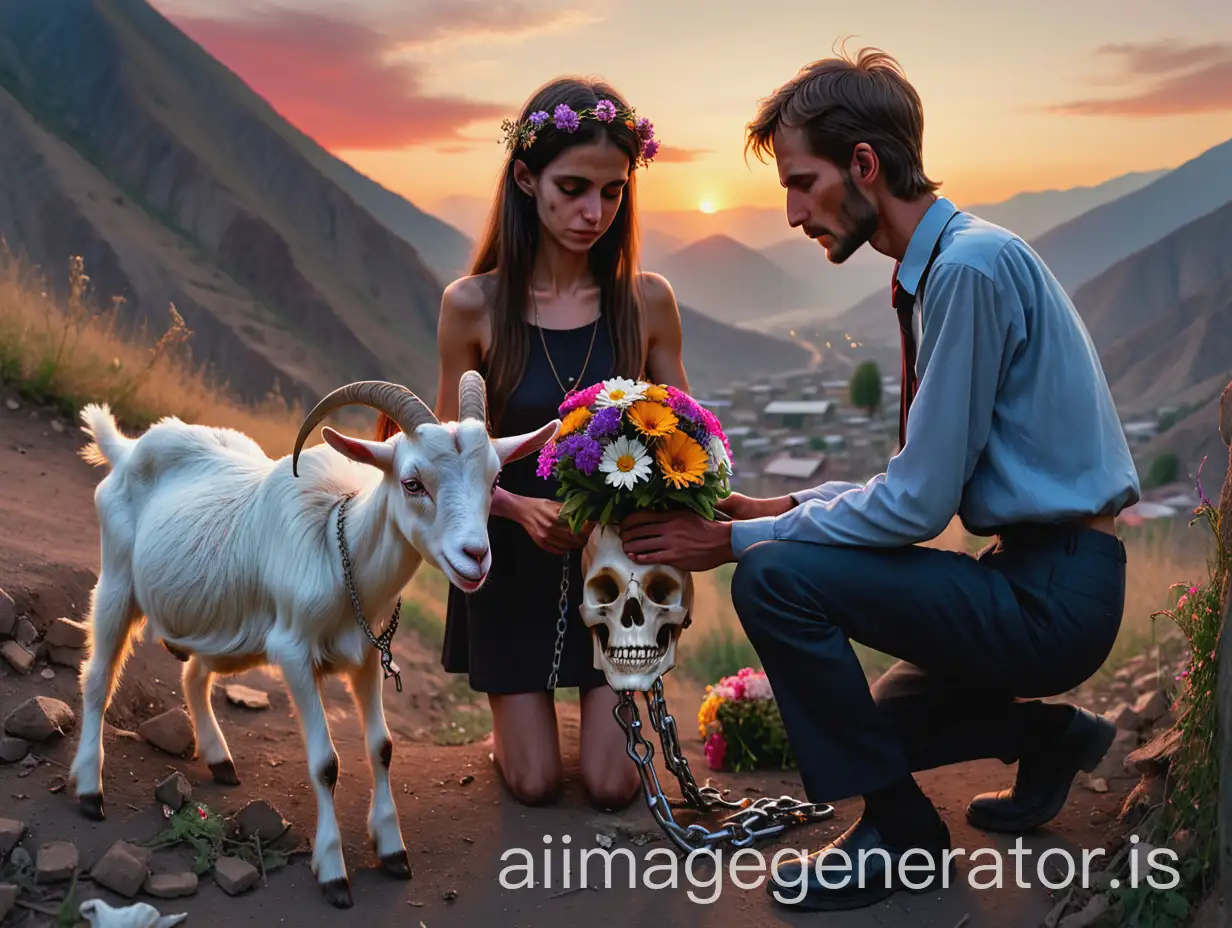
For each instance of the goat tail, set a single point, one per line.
(109, 445)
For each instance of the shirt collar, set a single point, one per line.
(920, 248)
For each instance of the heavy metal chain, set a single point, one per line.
(561, 622)
(752, 820)
(384, 642)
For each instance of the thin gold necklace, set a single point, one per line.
(573, 380)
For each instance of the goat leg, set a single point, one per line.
(328, 865)
(112, 611)
(383, 827)
(198, 681)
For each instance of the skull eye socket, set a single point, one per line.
(604, 589)
(662, 589)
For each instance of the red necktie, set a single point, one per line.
(904, 304)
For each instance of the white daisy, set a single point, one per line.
(620, 392)
(717, 453)
(625, 462)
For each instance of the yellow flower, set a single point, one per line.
(708, 713)
(574, 420)
(652, 419)
(682, 460)
(656, 393)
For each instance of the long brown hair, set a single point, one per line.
(511, 239)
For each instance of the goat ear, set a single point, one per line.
(376, 453)
(512, 447)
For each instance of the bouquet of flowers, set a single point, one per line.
(740, 724)
(627, 445)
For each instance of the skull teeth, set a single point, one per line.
(635, 656)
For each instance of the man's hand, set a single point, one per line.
(681, 539)
(741, 507)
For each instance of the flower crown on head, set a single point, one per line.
(566, 119)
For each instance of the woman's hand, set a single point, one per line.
(740, 507)
(541, 519)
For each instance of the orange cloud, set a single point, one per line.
(1186, 78)
(338, 80)
(671, 154)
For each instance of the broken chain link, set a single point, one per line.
(751, 820)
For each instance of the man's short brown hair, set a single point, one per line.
(840, 102)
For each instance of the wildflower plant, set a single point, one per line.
(627, 445)
(740, 725)
(520, 135)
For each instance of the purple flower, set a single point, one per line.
(605, 111)
(683, 405)
(547, 460)
(588, 455)
(537, 118)
(565, 119)
(645, 128)
(650, 149)
(605, 423)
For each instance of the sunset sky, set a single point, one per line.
(1017, 97)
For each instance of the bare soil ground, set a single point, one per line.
(455, 831)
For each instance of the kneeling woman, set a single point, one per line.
(555, 302)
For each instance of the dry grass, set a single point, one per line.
(77, 352)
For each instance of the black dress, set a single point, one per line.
(503, 635)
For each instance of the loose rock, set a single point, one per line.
(246, 696)
(1147, 682)
(261, 819)
(18, 657)
(56, 862)
(171, 885)
(1095, 909)
(1154, 757)
(65, 633)
(8, 615)
(1151, 706)
(122, 869)
(65, 657)
(12, 405)
(11, 831)
(234, 875)
(171, 732)
(1122, 716)
(174, 791)
(1113, 764)
(40, 717)
(26, 634)
(12, 750)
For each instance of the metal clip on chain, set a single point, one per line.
(752, 820)
(385, 641)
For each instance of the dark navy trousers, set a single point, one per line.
(979, 640)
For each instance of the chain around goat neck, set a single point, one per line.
(384, 642)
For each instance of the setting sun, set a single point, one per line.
(708, 206)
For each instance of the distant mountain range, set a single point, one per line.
(124, 142)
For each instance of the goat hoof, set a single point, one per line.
(224, 773)
(91, 805)
(397, 864)
(338, 893)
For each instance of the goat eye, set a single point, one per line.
(414, 487)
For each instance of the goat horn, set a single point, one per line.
(473, 398)
(397, 402)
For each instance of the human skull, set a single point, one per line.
(635, 612)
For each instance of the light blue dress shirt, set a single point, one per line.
(1012, 422)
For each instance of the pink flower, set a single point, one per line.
(547, 460)
(737, 688)
(581, 398)
(715, 750)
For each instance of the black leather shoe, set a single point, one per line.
(863, 877)
(1044, 778)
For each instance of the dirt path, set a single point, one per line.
(455, 833)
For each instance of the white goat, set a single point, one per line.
(235, 563)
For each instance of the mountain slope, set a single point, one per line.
(329, 293)
(1088, 245)
(1145, 286)
(730, 281)
(715, 354)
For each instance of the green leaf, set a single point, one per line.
(606, 515)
